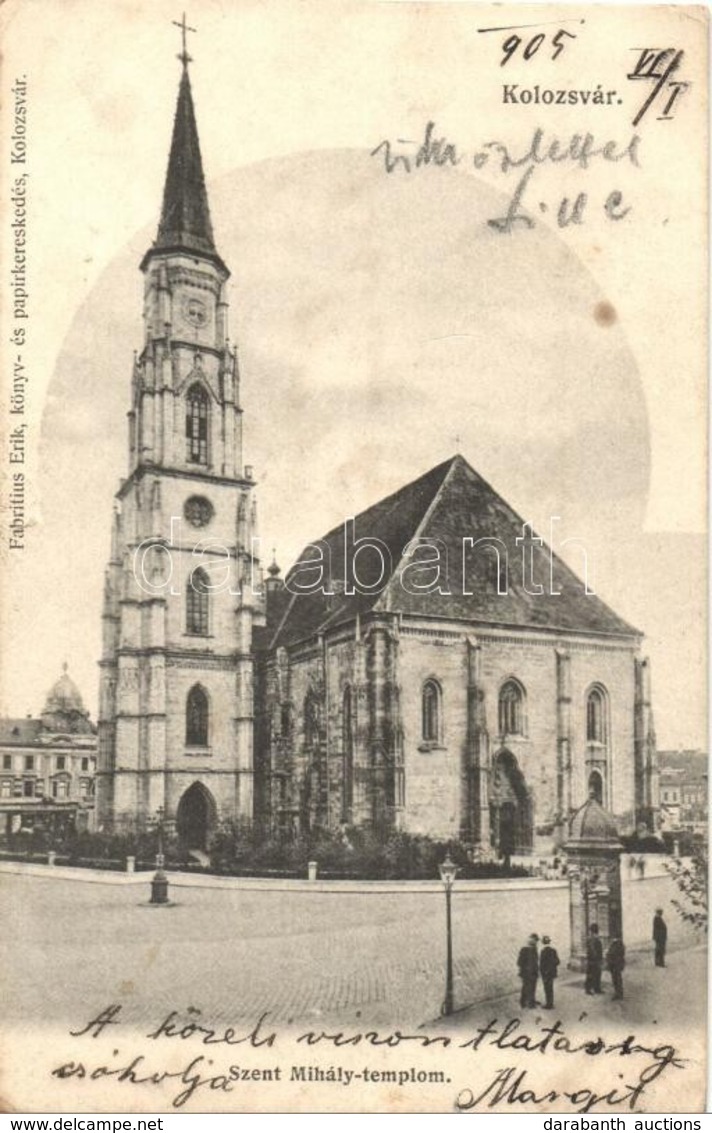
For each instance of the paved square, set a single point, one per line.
(236, 953)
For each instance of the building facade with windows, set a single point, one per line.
(48, 765)
(683, 790)
(430, 666)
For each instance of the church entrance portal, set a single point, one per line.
(194, 818)
(510, 808)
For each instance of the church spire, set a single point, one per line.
(185, 224)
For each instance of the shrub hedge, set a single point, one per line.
(349, 852)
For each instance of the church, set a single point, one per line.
(430, 666)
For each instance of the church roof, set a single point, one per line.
(447, 505)
(185, 224)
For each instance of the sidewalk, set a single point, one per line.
(675, 995)
(186, 880)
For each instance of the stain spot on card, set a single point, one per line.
(126, 987)
(605, 313)
(152, 954)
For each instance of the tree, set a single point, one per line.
(690, 876)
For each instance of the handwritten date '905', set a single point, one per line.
(510, 46)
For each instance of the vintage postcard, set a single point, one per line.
(353, 700)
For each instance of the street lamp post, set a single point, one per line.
(159, 883)
(448, 873)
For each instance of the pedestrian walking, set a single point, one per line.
(548, 969)
(615, 962)
(528, 964)
(594, 961)
(660, 938)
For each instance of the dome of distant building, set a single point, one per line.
(64, 709)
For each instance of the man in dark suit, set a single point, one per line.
(548, 969)
(615, 962)
(528, 964)
(594, 961)
(660, 938)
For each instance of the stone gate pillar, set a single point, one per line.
(593, 850)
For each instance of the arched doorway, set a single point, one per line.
(195, 817)
(510, 808)
(595, 787)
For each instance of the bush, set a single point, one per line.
(350, 852)
(235, 849)
(645, 844)
(688, 843)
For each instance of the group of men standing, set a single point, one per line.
(532, 964)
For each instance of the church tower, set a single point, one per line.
(183, 586)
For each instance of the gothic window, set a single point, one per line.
(196, 718)
(348, 748)
(196, 425)
(597, 716)
(197, 603)
(431, 705)
(314, 786)
(511, 709)
(595, 786)
(285, 716)
(311, 722)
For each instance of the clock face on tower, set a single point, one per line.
(194, 311)
(198, 511)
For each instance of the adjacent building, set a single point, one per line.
(48, 766)
(683, 790)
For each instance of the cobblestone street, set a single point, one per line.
(236, 953)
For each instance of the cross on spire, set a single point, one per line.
(184, 57)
